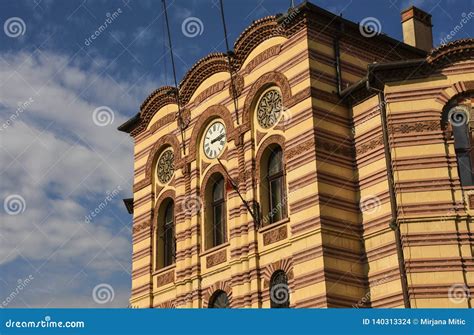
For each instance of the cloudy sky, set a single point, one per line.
(62, 96)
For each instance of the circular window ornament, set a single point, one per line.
(165, 166)
(458, 116)
(269, 108)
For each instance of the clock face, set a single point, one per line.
(214, 140)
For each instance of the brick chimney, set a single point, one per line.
(416, 25)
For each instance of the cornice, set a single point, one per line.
(285, 25)
(380, 73)
(455, 51)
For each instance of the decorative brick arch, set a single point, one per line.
(458, 94)
(217, 168)
(170, 140)
(213, 112)
(219, 286)
(168, 194)
(449, 96)
(460, 87)
(285, 265)
(273, 78)
(272, 139)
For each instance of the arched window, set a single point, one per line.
(218, 212)
(219, 300)
(458, 118)
(279, 290)
(273, 187)
(215, 217)
(165, 242)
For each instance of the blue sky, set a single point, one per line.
(62, 97)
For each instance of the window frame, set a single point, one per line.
(461, 133)
(214, 298)
(165, 235)
(280, 178)
(168, 238)
(273, 283)
(215, 204)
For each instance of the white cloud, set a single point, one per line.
(55, 157)
(143, 36)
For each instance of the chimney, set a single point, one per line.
(416, 25)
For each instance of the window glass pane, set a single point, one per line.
(218, 190)
(169, 214)
(218, 224)
(279, 290)
(274, 163)
(219, 300)
(472, 150)
(465, 168)
(276, 200)
(168, 246)
(461, 136)
(168, 236)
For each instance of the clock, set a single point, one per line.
(165, 168)
(214, 140)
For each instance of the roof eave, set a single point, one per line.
(130, 124)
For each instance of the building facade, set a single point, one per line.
(334, 168)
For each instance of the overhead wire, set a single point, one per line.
(229, 61)
(180, 117)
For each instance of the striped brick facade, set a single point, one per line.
(335, 247)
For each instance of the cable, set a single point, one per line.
(164, 53)
(234, 94)
(253, 213)
(180, 118)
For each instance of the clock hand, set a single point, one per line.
(217, 138)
